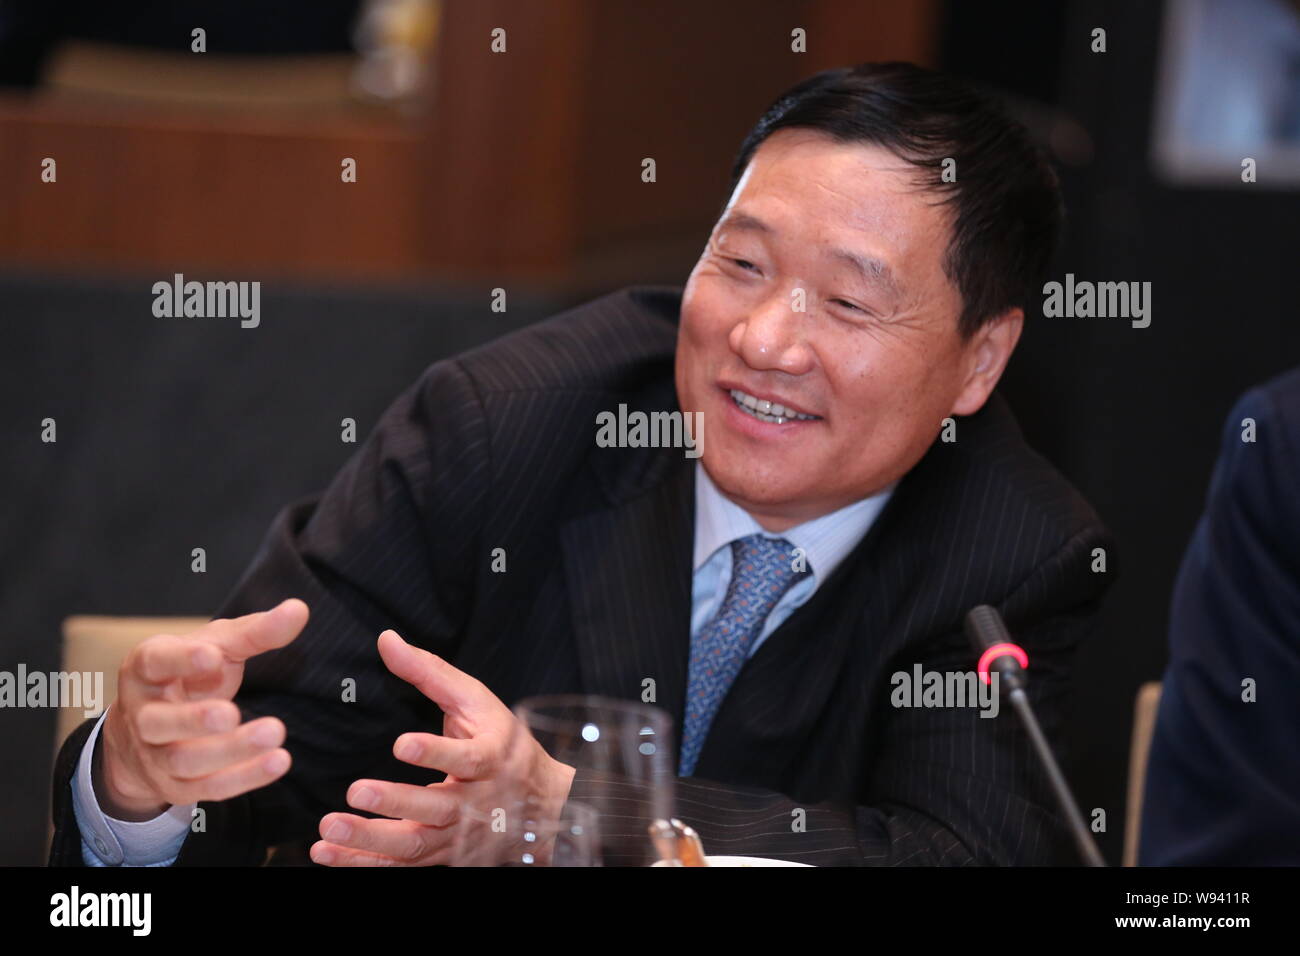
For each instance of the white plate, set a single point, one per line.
(742, 861)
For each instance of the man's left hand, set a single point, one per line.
(484, 750)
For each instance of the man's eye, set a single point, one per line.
(847, 305)
(745, 264)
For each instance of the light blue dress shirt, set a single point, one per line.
(826, 541)
(107, 841)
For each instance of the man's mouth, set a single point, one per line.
(767, 411)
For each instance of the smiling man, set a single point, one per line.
(861, 487)
(816, 404)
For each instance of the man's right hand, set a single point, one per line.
(173, 734)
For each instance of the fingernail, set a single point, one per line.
(322, 855)
(408, 750)
(365, 799)
(265, 735)
(277, 762)
(338, 831)
(214, 719)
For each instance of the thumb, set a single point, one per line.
(252, 634)
(451, 689)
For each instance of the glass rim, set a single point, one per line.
(535, 707)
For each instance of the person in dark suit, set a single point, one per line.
(1223, 777)
(856, 488)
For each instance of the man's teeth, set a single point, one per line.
(766, 411)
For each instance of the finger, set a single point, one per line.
(233, 781)
(403, 801)
(164, 658)
(203, 756)
(327, 854)
(403, 840)
(243, 637)
(451, 689)
(164, 722)
(465, 759)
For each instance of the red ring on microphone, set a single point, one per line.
(1000, 650)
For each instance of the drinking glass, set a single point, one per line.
(622, 753)
(518, 834)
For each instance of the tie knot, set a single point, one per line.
(767, 563)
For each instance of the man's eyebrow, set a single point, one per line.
(871, 268)
(743, 220)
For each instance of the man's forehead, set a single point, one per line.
(797, 148)
(867, 206)
(856, 183)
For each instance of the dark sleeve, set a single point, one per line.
(65, 848)
(1223, 780)
(949, 787)
(362, 556)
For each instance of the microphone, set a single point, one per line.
(999, 654)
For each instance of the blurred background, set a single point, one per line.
(218, 154)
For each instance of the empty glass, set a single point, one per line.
(622, 752)
(518, 834)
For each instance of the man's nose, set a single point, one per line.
(772, 335)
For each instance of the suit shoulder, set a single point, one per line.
(1259, 445)
(608, 344)
(1250, 503)
(999, 458)
(997, 522)
(1275, 403)
(985, 519)
(1049, 539)
(533, 396)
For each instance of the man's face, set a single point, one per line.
(875, 356)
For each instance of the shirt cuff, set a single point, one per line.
(114, 842)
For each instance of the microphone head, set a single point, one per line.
(985, 627)
(992, 642)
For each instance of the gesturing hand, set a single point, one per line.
(174, 734)
(483, 749)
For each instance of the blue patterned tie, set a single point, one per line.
(760, 573)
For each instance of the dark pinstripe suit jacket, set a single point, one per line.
(496, 449)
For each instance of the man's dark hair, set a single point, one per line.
(1006, 198)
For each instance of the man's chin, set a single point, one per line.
(770, 494)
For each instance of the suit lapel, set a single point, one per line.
(628, 572)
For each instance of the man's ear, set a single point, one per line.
(987, 354)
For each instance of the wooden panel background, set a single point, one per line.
(521, 166)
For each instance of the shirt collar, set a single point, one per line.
(826, 541)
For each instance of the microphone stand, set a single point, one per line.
(986, 630)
